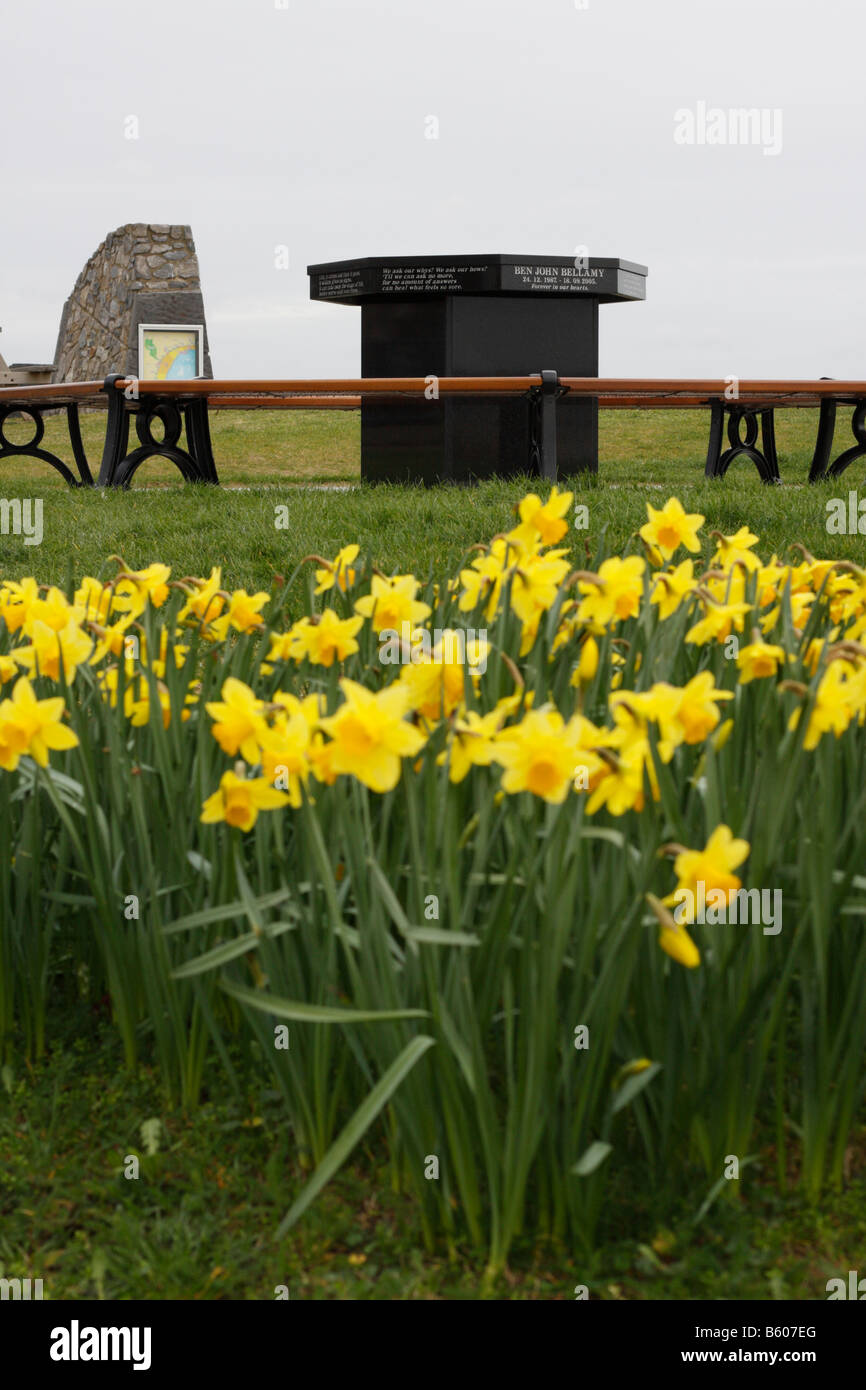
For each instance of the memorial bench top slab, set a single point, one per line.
(383, 279)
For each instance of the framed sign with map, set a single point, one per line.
(169, 351)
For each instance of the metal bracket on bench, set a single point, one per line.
(542, 426)
(765, 459)
(116, 432)
(196, 462)
(821, 466)
(32, 448)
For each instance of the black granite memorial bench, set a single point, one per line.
(178, 408)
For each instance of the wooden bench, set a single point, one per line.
(183, 406)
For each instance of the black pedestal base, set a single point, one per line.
(464, 439)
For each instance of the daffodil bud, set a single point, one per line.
(588, 663)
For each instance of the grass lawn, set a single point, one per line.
(645, 455)
(198, 1222)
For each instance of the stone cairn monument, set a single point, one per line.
(142, 273)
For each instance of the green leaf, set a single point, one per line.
(613, 837)
(356, 1128)
(457, 1045)
(82, 899)
(429, 936)
(495, 880)
(315, 1013)
(229, 950)
(252, 904)
(200, 864)
(392, 902)
(633, 1085)
(717, 1188)
(440, 936)
(653, 1260)
(223, 911)
(590, 1160)
(70, 792)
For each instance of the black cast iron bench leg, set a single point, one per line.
(765, 459)
(74, 427)
(824, 440)
(714, 444)
(768, 440)
(32, 448)
(199, 440)
(823, 447)
(116, 433)
(196, 462)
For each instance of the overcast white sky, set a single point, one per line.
(305, 126)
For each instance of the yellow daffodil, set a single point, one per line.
(584, 672)
(659, 705)
(134, 588)
(472, 742)
(535, 584)
(621, 787)
(16, 601)
(801, 607)
(95, 599)
(671, 527)
(325, 639)
(697, 711)
(542, 752)
(31, 726)
(545, 519)
(436, 684)
(833, 707)
(677, 943)
(285, 745)
(49, 649)
(718, 622)
(671, 587)
(340, 572)
(615, 593)
(759, 659)
(711, 866)
(239, 800)
(54, 610)
(731, 549)
(112, 640)
(370, 734)
(243, 614)
(392, 602)
(280, 649)
(673, 938)
(206, 600)
(240, 723)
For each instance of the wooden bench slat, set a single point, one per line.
(188, 403)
